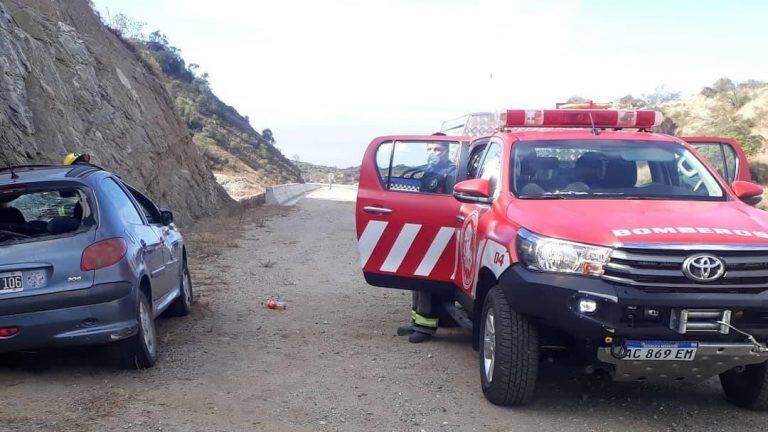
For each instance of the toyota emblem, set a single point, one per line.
(703, 268)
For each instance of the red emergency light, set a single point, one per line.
(581, 118)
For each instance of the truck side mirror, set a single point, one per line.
(477, 191)
(166, 217)
(750, 193)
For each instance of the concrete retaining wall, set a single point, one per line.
(289, 193)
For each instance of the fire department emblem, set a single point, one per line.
(468, 253)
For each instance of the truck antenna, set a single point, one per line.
(594, 129)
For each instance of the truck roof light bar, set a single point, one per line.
(599, 118)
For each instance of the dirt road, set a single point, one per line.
(330, 362)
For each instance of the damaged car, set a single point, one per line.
(86, 259)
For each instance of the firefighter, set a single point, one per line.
(439, 173)
(423, 318)
(439, 176)
(77, 158)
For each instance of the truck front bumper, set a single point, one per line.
(624, 311)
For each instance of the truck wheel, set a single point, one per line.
(140, 351)
(509, 352)
(183, 303)
(747, 388)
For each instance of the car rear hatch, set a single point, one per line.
(44, 228)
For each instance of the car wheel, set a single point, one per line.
(183, 303)
(140, 351)
(509, 352)
(747, 387)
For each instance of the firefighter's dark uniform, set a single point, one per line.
(438, 178)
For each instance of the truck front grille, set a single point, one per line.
(661, 270)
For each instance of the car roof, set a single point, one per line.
(47, 173)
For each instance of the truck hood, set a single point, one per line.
(617, 222)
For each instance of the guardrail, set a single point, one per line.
(287, 194)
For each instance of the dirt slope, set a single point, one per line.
(69, 84)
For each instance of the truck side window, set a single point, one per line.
(722, 156)
(473, 165)
(491, 168)
(418, 166)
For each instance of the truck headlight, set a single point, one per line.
(560, 256)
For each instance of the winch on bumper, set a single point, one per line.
(607, 316)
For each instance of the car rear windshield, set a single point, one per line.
(610, 169)
(33, 213)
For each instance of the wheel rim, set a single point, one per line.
(147, 329)
(186, 287)
(489, 346)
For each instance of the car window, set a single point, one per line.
(611, 169)
(418, 166)
(473, 165)
(119, 199)
(722, 156)
(35, 213)
(491, 167)
(147, 206)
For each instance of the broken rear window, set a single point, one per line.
(32, 213)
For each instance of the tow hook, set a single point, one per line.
(618, 349)
(759, 348)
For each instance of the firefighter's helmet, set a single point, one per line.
(74, 158)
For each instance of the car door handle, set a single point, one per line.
(377, 210)
(460, 218)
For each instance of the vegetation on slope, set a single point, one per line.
(244, 161)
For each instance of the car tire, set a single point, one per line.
(182, 306)
(509, 352)
(140, 350)
(748, 387)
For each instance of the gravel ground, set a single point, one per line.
(329, 362)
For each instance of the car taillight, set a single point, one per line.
(103, 254)
(6, 332)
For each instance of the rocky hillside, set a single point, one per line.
(736, 110)
(69, 84)
(243, 161)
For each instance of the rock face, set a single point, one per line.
(68, 84)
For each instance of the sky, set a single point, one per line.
(327, 76)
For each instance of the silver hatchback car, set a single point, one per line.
(86, 259)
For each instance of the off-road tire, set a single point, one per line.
(748, 388)
(135, 352)
(182, 306)
(516, 357)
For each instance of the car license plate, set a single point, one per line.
(661, 350)
(11, 282)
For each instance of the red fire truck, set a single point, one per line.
(579, 233)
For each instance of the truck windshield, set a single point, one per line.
(29, 214)
(610, 169)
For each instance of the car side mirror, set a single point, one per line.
(477, 191)
(166, 217)
(750, 193)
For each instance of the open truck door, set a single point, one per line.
(725, 154)
(405, 212)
